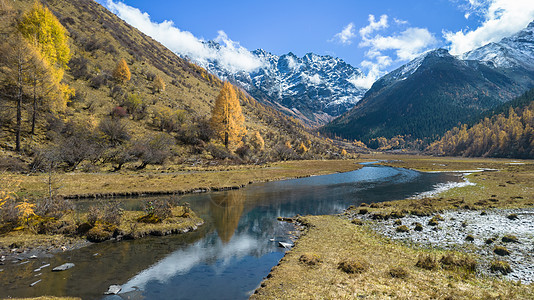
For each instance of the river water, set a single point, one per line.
(228, 256)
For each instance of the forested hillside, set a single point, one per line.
(116, 97)
(509, 132)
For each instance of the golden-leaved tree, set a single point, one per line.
(122, 72)
(227, 119)
(44, 31)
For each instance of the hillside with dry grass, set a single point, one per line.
(166, 104)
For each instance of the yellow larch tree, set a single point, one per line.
(257, 142)
(44, 31)
(122, 72)
(227, 119)
(159, 84)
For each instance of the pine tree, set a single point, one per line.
(227, 120)
(122, 72)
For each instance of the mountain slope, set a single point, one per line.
(98, 40)
(313, 88)
(436, 91)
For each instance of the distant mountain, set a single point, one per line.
(313, 88)
(436, 91)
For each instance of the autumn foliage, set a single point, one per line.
(227, 120)
(121, 73)
(503, 135)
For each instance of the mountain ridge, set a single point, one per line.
(434, 92)
(312, 88)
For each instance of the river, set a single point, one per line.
(228, 256)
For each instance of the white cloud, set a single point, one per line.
(501, 18)
(400, 22)
(374, 25)
(384, 50)
(231, 55)
(346, 35)
(408, 44)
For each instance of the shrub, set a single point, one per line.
(427, 262)
(12, 164)
(119, 156)
(99, 233)
(310, 259)
(433, 221)
(219, 151)
(418, 226)
(115, 131)
(500, 266)
(490, 240)
(152, 149)
(54, 207)
(78, 67)
(402, 228)
(500, 250)
(398, 272)
(509, 238)
(352, 266)
(450, 261)
(157, 210)
(512, 217)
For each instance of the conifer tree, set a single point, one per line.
(43, 30)
(257, 141)
(159, 84)
(227, 119)
(122, 72)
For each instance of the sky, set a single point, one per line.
(376, 36)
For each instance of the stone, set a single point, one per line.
(63, 267)
(113, 289)
(285, 245)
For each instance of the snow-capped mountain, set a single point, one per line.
(436, 91)
(312, 88)
(511, 52)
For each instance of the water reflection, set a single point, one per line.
(228, 256)
(226, 210)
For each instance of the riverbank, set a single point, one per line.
(163, 182)
(382, 268)
(24, 243)
(336, 259)
(42, 237)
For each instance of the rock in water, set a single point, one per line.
(285, 245)
(63, 267)
(113, 289)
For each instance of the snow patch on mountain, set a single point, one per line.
(514, 51)
(314, 85)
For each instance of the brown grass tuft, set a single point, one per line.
(352, 266)
(427, 262)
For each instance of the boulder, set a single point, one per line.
(113, 289)
(63, 267)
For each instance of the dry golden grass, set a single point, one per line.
(335, 240)
(169, 181)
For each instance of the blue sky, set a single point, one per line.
(376, 36)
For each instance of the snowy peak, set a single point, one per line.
(516, 51)
(313, 88)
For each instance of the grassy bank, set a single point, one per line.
(336, 259)
(74, 230)
(379, 268)
(165, 181)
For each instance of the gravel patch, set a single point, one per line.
(469, 231)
